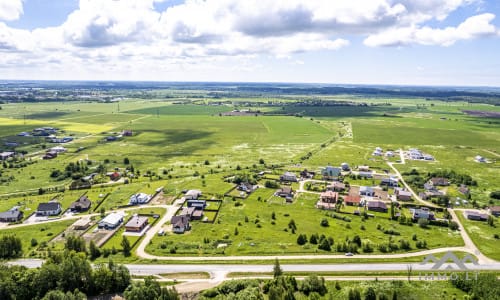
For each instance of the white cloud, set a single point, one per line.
(10, 9)
(472, 27)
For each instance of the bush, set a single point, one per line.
(423, 223)
(302, 239)
(324, 223)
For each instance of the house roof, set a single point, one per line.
(495, 208)
(289, 174)
(49, 206)
(11, 214)
(193, 193)
(439, 181)
(329, 194)
(375, 204)
(137, 221)
(82, 202)
(112, 218)
(404, 193)
(286, 189)
(179, 221)
(352, 199)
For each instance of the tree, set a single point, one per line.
(60, 295)
(277, 271)
(126, 248)
(75, 243)
(313, 239)
(491, 221)
(302, 239)
(10, 247)
(370, 294)
(324, 245)
(207, 162)
(409, 270)
(324, 222)
(94, 250)
(261, 161)
(314, 284)
(126, 161)
(354, 294)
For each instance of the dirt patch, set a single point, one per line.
(161, 199)
(483, 114)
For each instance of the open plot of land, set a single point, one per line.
(483, 235)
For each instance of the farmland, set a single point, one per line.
(182, 144)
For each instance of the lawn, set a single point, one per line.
(482, 235)
(262, 235)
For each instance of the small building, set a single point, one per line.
(421, 213)
(139, 198)
(284, 192)
(114, 176)
(389, 154)
(376, 205)
(464, 189)
(111, 138)
(58, 149)
(352, 200)
(50, 155)
(188, 211)
(391, 181)
(345, 167)
(475, 215)
(180, 224)
(127, 133)
(439, 181)
(366, 191)
(197, 214)
(365, 174)
(307, 174)
(288, 176)
(192, 194)
(136, 224)
(82, 204)
(11, 216)
(363, 168)
(81, 224)
(247, 187)
(336, 186)
(49, 209)
(480, 159)
(197, 204)
(111, 221)
(495, 211)
(403, 195)
(6, 155)
(329, 197)
(330, 172)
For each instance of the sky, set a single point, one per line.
(400, 42)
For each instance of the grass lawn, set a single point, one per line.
(260, 236)
(482, 235)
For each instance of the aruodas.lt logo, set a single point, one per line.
(448, 263)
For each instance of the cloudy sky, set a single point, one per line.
(417, 42)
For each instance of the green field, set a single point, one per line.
(190, 146)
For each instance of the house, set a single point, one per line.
(377, 205)
(12, 215)
(111, 221)
(421, 213)
(81, 224)
(114, 176)
(136, 224)
(284, 192)
(197, 204)
(49, 209)
(464, 189)
(353, 200)
(127, 133)
(402, 195)
(415, 154)
(336, 186)
(345, 167)
(82, 204)
(139, 198)
(180, 224)
(391, 181)
(6, 155)
(495, 211)
(288, 176)
(366, 191)
(428, 157)
(23, 134)
(365, 174)
(58, 149)
(480, 159)
(197, 214)
(429, 187)
(247, 187)
(475, 215)
(439, 181)
(50, 155)
(363, 168)
(389, 154)
(329, 197)
(330, 172)
(307, 174)
(188, 211)
(377, 153)
(192, 194)
(111, 138)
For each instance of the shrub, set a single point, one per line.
(324, 222)
(423, 223)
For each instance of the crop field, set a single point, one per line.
(190, 146)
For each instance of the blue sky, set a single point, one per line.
(426, 42)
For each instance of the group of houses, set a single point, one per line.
(477, 215)
(379, 152)
(112, 138)
(53, 152)
(416, 154)
(192, 211)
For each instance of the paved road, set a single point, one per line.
(140, 251)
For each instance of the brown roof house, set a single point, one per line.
(180, 224)
(136, 224)
(439, 181)
(379, 206)
(329, 197)
(402, 194)
(285, 192)
(495, 211)
(336, 186)
(82, 204)
(353, 200)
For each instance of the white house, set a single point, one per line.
(366, 191)
(111, 221)
(192, 194)
(288, 176)
(139, 198)
(49, 209)
(480, 159)
(58, 149)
